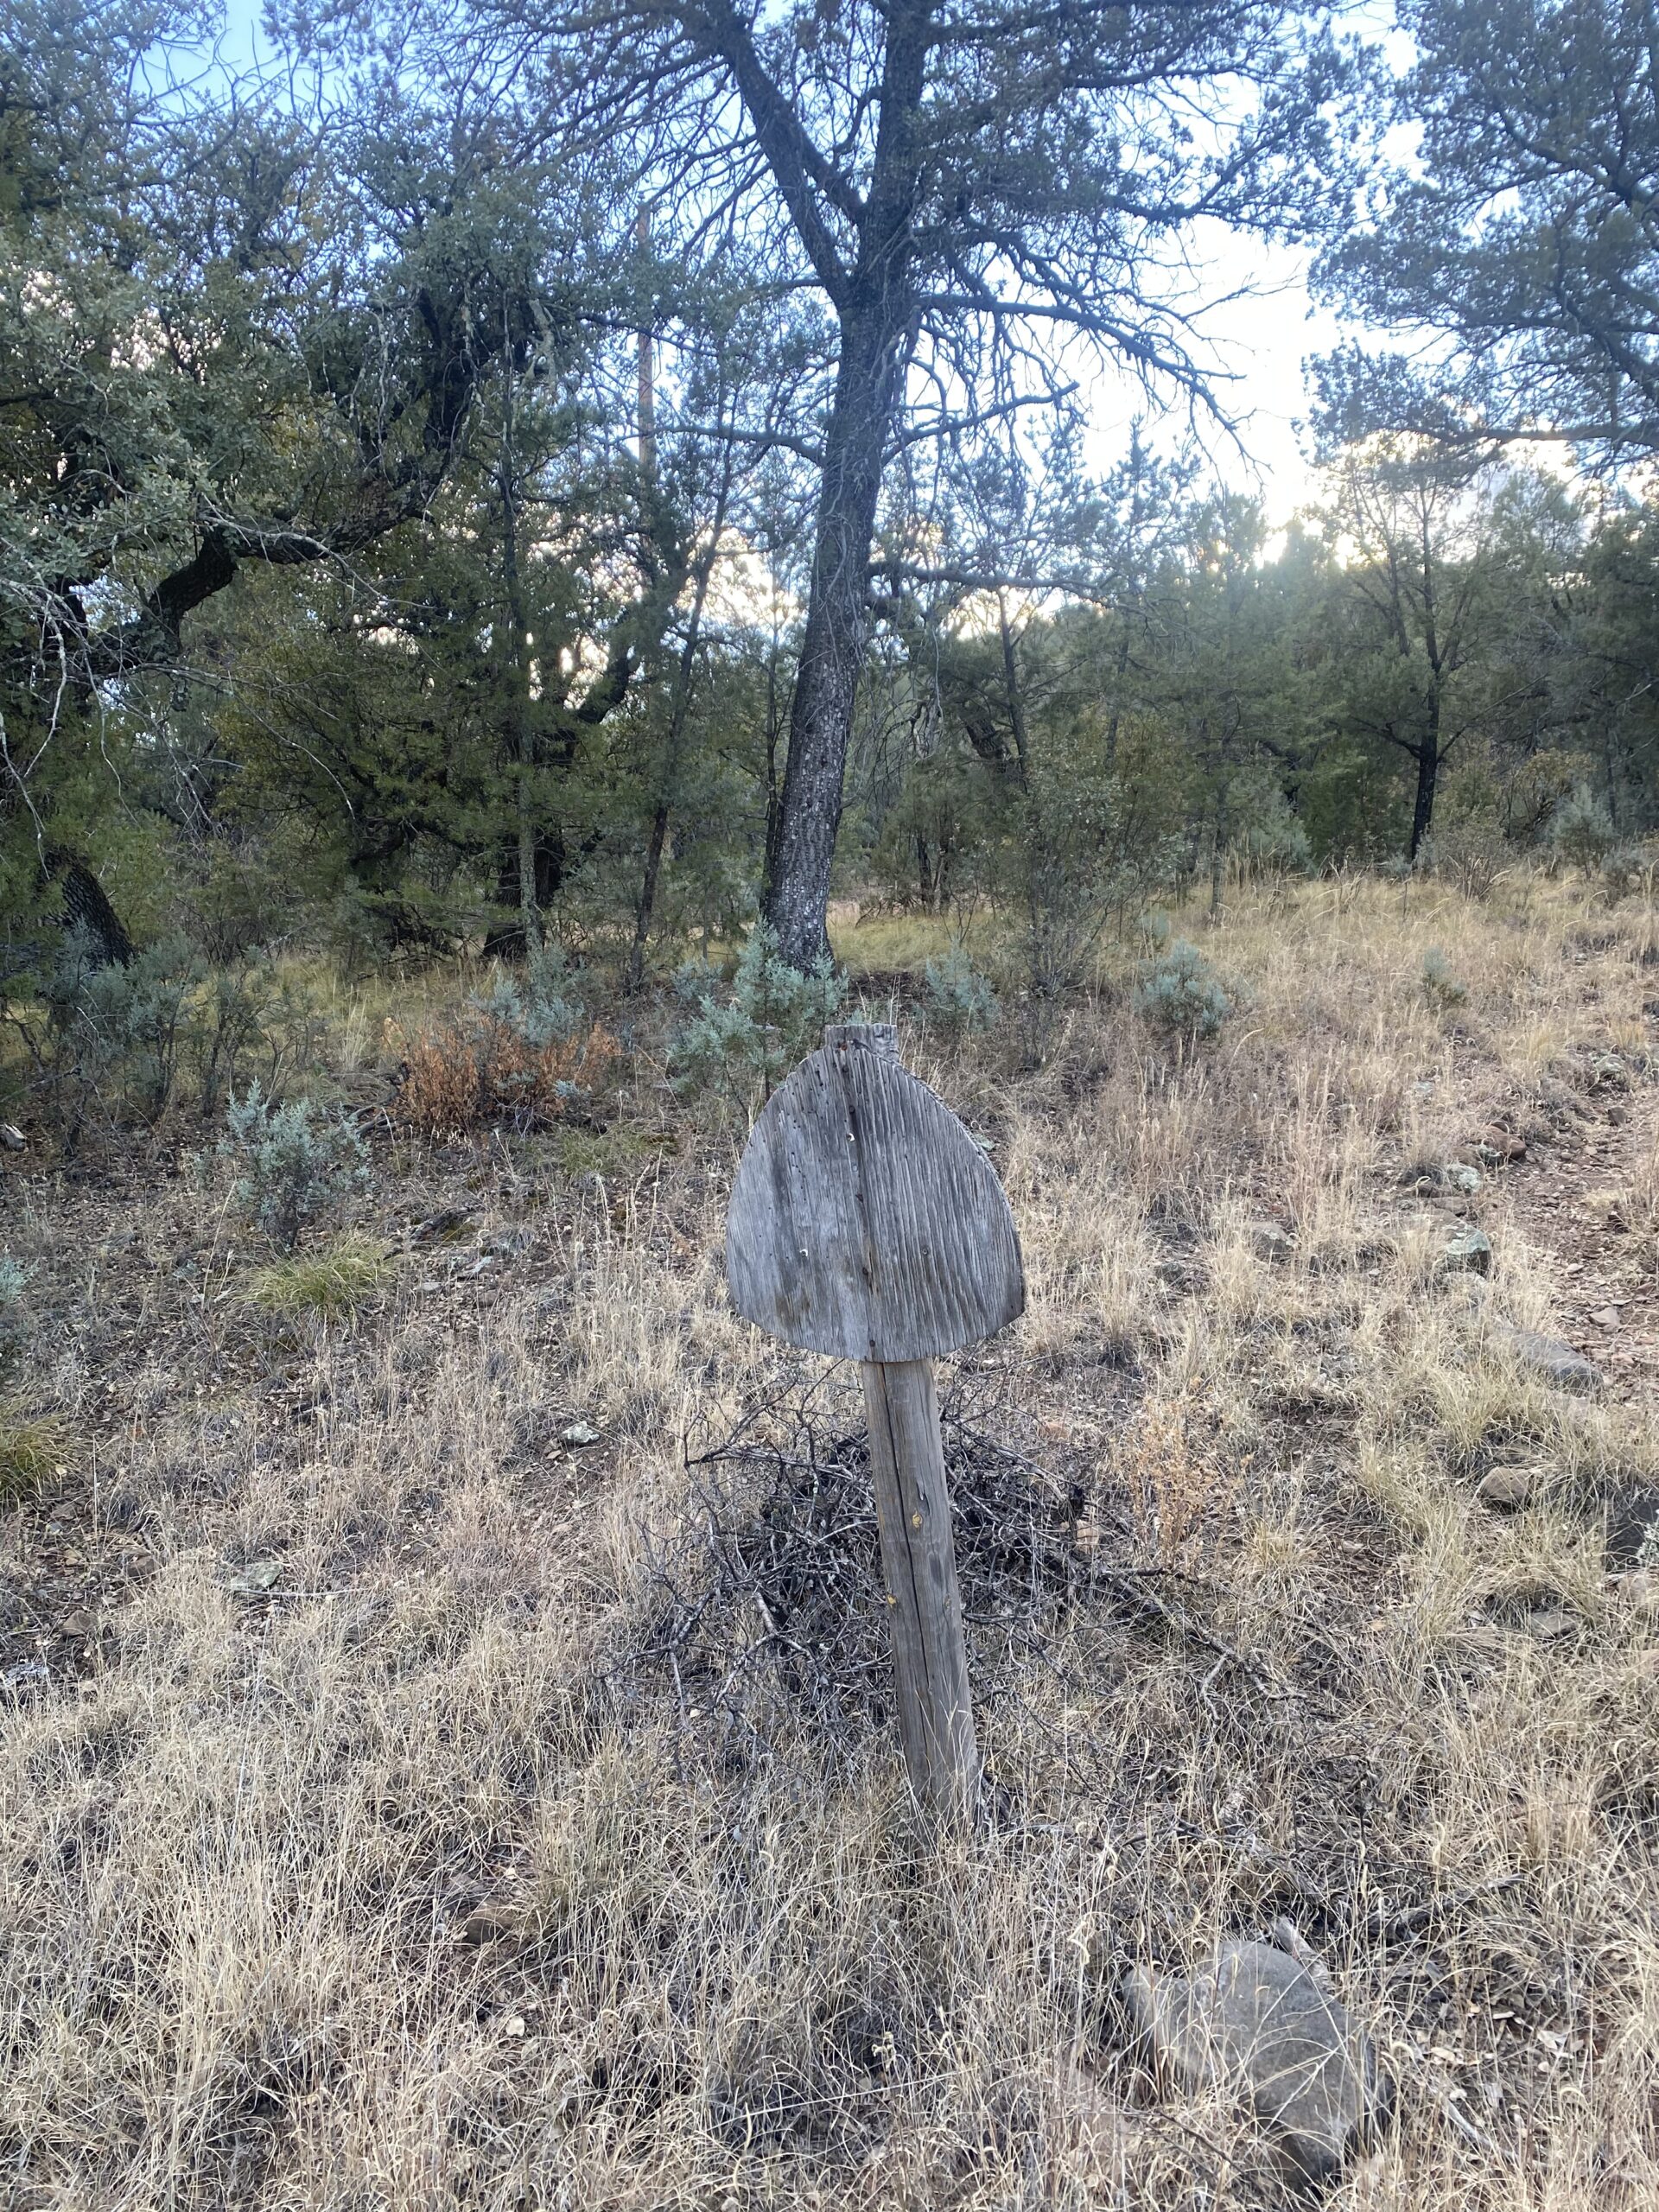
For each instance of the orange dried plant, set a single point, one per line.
(476, 1071)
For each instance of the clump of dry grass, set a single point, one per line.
(331, 1284)
(33, 1449)
(531, 1831)
(477, 1070)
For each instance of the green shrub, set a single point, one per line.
(104, 1038)
(1181, 993)
(328, 1285)
(1626, 869)
(1441, 987)
(294, 1162)
(1582, 833)
(31, 1450)
(15, 1326)
(541, 1005)
(115, 1043)
(742, 1049)
(959, 1000)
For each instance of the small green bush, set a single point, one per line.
(1626, 869)
(294, 1162)
(1181, 993)
(742, 1050)
(328, 1285)
(1582, 832)
(541, 1005)
(957, 999)
(15, 1325)
(31, 1449)
(1441, 987)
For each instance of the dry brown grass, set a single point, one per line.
(475, 1069)
(511, 1850)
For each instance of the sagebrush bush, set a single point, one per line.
(957, 999)
(15, 1325)
(1181, 993)
(541, 1003)
(1626, 869)
(742, 1049)
(1441, 987)
(119, 1043)
(294, 1162)
(1582, 832)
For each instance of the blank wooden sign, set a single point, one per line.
(866, 1222)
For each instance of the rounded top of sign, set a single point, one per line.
(865, 1222)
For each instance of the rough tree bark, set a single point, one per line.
(832, 651)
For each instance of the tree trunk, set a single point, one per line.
(1428, 770)
(87, 911)
(832, 651)
(1016, 698)
(679, 710)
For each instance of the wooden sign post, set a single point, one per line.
(866, 1222)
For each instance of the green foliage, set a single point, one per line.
(116, 1044)
(1441, 986)
(1512, 230)
(739, 1049)
(110, 1039)
(332, 1285)
(1269, 837)
(294, 1162)
(1180, 993)
(1627, 869)
(15, 1325)
(33, 1450)
(1582, 832)
(956, 999)
(540, 1004)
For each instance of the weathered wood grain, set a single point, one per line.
(864, 1220)
(912, 1511)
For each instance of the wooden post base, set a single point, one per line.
(912, 1509)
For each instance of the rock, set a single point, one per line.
(489, 1923)
(1547, 1356)
(1456, 1176)
(1498, 1148)
(1639, 1588)
(449, 1223)
(1553, 1623)
(1630, 1524)
(1470, 1252)
(1256, 2019)
(258, 1576)
(578, 1434)
(1270, 1243)
(1606, 1316)
(1505, 1488)
(1609, 1072)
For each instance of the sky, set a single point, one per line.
(1265, 327)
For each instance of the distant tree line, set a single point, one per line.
(502, 475)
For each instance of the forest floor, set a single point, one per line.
(446, 1748)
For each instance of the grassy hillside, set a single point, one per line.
(447, 1746)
